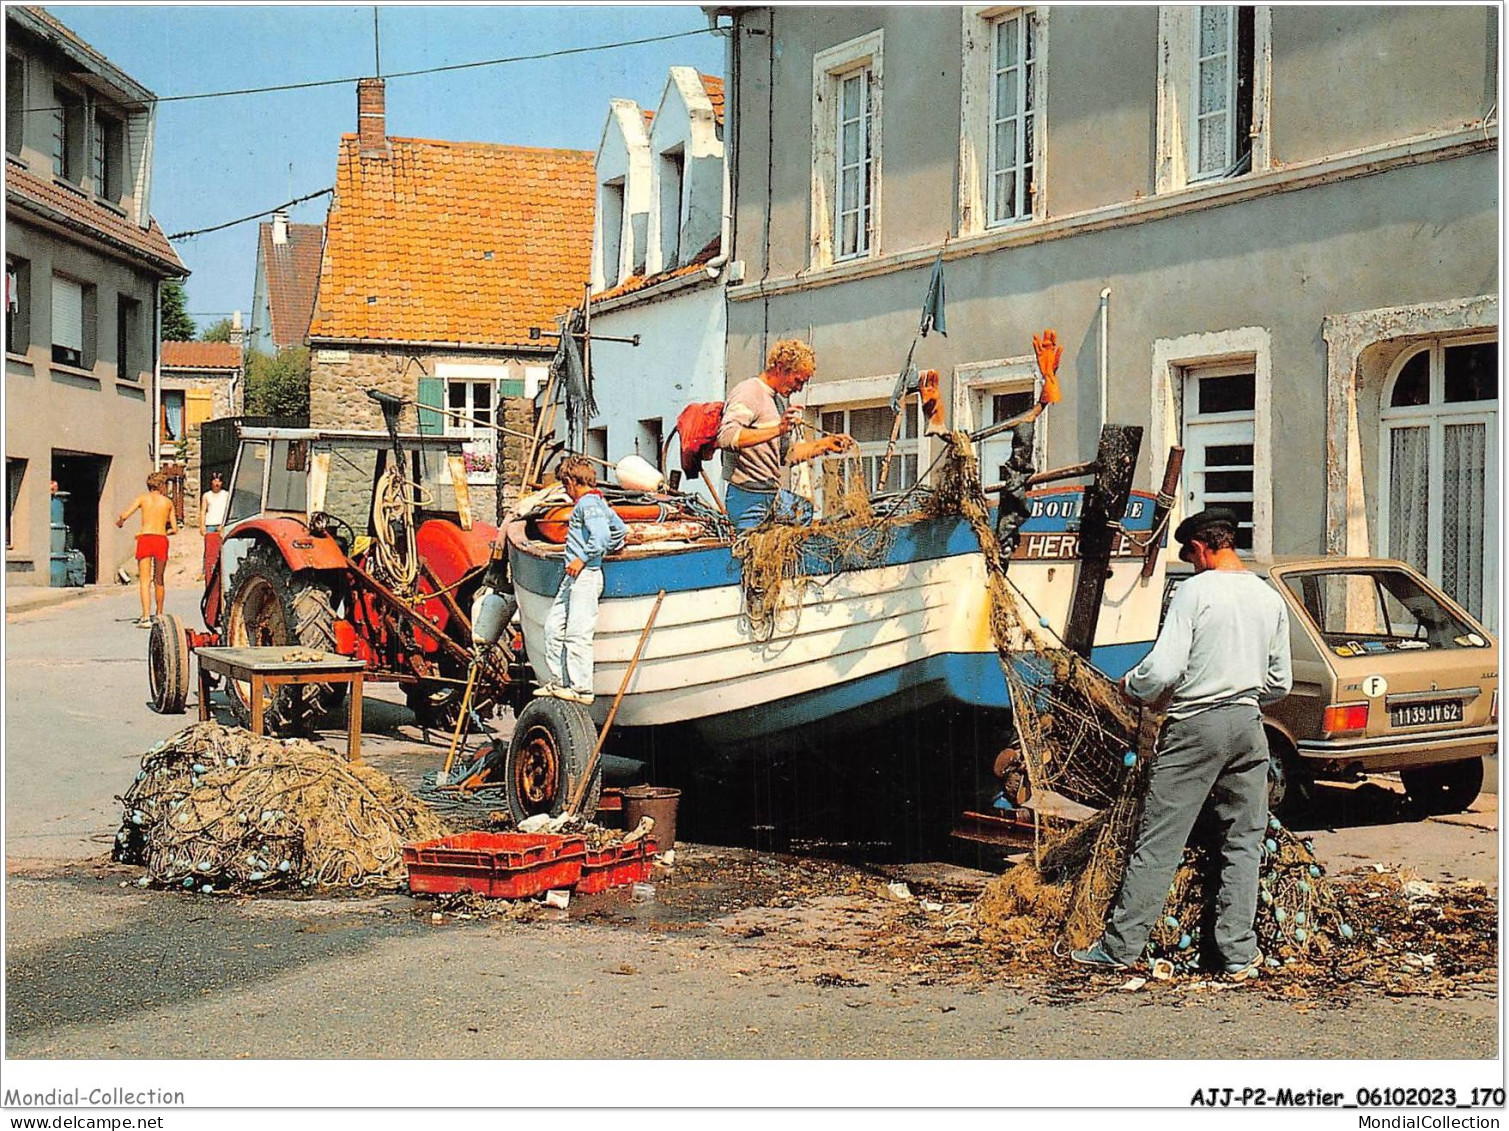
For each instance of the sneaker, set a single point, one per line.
(1248, 971)
(143, 622)
(1096, 955)
(547, 690)
(571, 695)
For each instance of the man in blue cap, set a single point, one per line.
(1222, 653)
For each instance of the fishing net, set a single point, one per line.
(216, 808)
(1077, 736)
(780, 559)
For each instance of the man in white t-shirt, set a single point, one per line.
(212, 507)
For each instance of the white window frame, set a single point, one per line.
(1228, 52)
(1252, 348)
(977, 165)
(1178, 133)
(480, 441)
(65, 289)
(1435, 416)
(612, 222)
(974, 383)
(829, 69)
(847, 394)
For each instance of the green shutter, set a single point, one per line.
(431, 394)
(511, 387)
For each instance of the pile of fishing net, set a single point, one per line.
(217, 808)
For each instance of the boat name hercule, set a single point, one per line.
(1065, 545)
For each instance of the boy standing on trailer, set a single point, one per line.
(593, 530)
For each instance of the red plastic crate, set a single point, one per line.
(502, 865)
(615, 866)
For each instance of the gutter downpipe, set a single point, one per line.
(1105, 356)
(157, 380)
(725, 234)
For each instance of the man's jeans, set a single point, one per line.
(1220, 754)
(747, 509)
(569, 628)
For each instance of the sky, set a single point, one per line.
(219, 159)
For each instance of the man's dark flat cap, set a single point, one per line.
(1192, 526)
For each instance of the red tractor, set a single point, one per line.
(360, 543)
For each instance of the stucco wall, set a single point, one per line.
(1282, 262)
(51, 408)
(1345, 76)
(679, 361)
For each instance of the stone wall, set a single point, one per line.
(338, 384)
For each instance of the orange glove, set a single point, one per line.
(1049, 354)
(932, 399)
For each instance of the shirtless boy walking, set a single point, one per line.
(158, 520)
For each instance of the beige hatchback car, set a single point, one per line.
(1390, 675)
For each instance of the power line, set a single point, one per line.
(253, 216)
(314, 83)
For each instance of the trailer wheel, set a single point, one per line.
(168, 664)
(1448, 787)
(547, 755)
(270, 605)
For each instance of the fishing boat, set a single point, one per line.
(905, 630)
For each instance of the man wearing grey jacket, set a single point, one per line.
(1223, 652)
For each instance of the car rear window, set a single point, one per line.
(1361, 611)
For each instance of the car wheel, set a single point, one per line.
(1290, 786)
(1449, 787)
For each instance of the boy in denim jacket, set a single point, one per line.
(592, 531)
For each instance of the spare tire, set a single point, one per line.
(547, 756)
(168, 664)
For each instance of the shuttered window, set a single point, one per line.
(67, 321)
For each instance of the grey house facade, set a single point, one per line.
(84, 262)
(1267, 234)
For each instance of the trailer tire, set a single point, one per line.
(168, 664)
(547, 756)
(271, 605)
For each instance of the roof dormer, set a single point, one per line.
(685, 157)
(619, 241)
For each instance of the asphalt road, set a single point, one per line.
(191, 977)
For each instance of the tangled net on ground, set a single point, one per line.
(780, 559)
(216, 808)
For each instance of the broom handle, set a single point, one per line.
(602, 735)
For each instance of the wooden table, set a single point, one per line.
(267, 667)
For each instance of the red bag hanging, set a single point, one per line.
(698, 428)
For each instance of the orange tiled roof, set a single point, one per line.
(636, 283)
(200, 355)
(443, 241)
(293, 275)
(714, 87)
(80, 211)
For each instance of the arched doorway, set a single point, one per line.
(1439, 463)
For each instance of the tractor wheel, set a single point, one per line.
(552, 741)
(168, 664)
(1447, 787)
(270, 606)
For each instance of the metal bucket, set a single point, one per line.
(657, 803)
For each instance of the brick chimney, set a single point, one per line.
(371, 117)
(280, 227)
